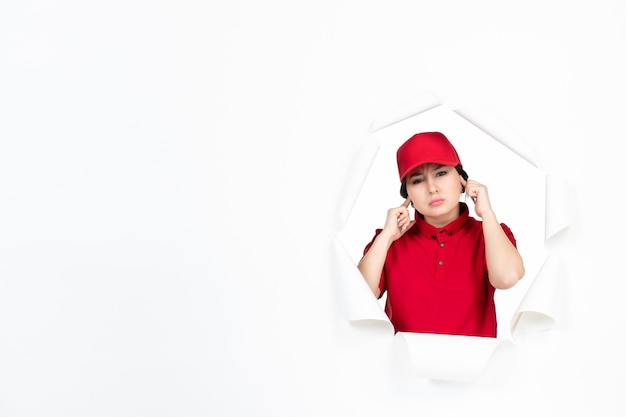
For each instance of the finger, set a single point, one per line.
(473, 193)
(408, 226)
(402, 212)
(406, 202)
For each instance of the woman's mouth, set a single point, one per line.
(435, 202)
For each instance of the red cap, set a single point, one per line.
(426, 147)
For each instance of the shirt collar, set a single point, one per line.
(454, 226)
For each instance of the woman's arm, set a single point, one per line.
(372, 263)
(504, 262)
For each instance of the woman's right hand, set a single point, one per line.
(398, 221)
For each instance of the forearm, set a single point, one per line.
(372, 263)
(504, 262)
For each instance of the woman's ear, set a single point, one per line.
(461, 172)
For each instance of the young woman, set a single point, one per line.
(440, 271)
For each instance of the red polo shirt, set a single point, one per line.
(436, 279)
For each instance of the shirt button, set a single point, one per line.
(442, 244)
(440, 263)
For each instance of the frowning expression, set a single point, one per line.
(434, 190)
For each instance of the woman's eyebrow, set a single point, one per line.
(435, 168)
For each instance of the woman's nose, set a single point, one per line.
(431, 185)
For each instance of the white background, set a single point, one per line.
(169, 174)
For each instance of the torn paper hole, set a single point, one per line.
(517, 190)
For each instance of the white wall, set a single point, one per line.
(170, 173)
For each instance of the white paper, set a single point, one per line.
(537, 311)
(558, 203)
(361, 164)
(448, 357)
(358, 303)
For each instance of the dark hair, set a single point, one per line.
(404, 193)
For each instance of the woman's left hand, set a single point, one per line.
(479, 195)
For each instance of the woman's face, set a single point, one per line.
(434, 190)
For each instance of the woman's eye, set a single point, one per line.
(441, 173)
(417, 180)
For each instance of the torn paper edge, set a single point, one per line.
(558, 205)
(448, 357)
(359, 169)
(361, 305)
(537, 310)
(419, 104)
(497, 130)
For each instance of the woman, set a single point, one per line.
(440, 271)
